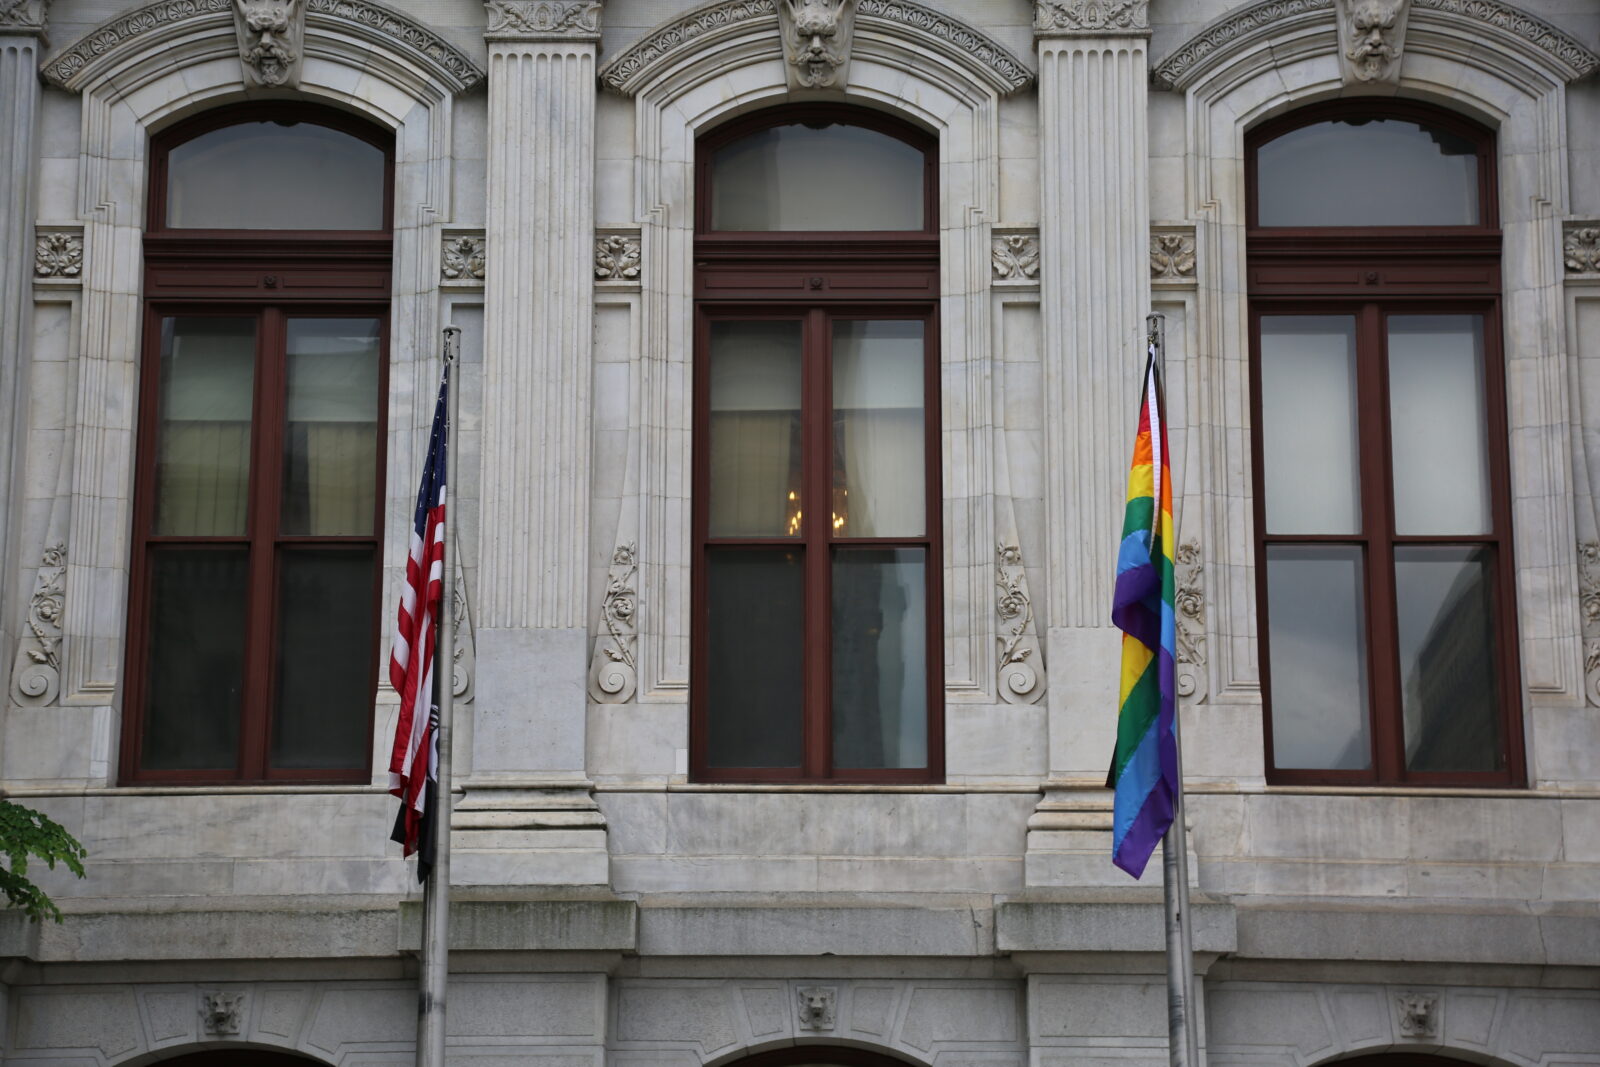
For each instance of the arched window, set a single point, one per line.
(819, 1056)
(1382, 505)
(253, 630)
(816, 480)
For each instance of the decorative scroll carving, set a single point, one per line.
(1021, 665)
(1015, 257)
(58, 255)
(1372, 34)
(464, 259)
(1172, 257)
(1052, 17)
(36, 675)
(1419, 1014)
(613, 674)
(1519, 23)
(1581, 249)
(1189, 606)
(816, 41)
(220, 1012)
(817, 1007)
(616, 257)
(270, 35)
(464, 663)
(626, 71)
(543, 19)
(23, 16)
(1589, 604)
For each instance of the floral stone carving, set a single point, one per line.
(616, 258)
(465, 259)
(1189, 606)
(1172, 257)
(24, 16)
(1091, 16)
(613, 673)
(1589, 605)
(1580, 249)
(1371, 36)
(36, 675)
(543, 19)
(58, 255)
(1015, 257)
(270, 36)
(1021, 677)
(816, 41)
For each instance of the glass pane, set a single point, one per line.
(275, 176)
(203, 441)
(1317, 642)
(1367, 172)
(755, 429)
(1308, 424)
(830, 178)
(195, 669)
(326, 670)
(330, 441)
(880, 658)
(1449, 684)
(880, 453)
(754, 676)
(1436, 424)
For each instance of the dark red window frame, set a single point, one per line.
(271, 276)
(1371, 273)
(816, 277)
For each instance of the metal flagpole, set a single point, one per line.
(1183, 1041)
(436, 890)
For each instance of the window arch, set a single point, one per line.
(819, 1056)
(1385, 585)
(253, 610)
(816, 480)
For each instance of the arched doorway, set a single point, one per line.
(819, 1056)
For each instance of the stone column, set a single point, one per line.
(1094, 295)
(529, 815)
(21, 29)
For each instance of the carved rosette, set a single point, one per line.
(271, 33)
(613, 675)
(1014, 257)
(36, 675)
(1065, 17)
(1589, 604)
(464, 258)
(1580, 248)
(1021, 678)
(58, 254)
(1172, 257)
(617, 257)
(1372, 35)
(817, 35)
(1189, 609)
(543, 20)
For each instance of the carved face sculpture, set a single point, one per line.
(816, 24)
(1370, 23)
(271, 55)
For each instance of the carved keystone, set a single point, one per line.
(816, 1007)
(220, 1012)
(1419, 1014)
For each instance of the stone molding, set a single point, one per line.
(1020, 669)
(1172, 257)
(1014, 257)
(1100, 18)
(36, 675)
(633, 69)
(24, 17)
(58, 254)
(1580, 247)
(542, 20)
(1243, 31)
(128, 37)
(463, 259)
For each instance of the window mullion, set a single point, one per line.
(816, 471)
(262, 525)
(1378, 522)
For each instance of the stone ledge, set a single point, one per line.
(276, 931)
(1068, 921)
(566, 924)
(786, 925)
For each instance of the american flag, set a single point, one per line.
(414, 764)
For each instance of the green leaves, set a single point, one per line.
(24, 833)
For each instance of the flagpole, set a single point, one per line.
(1183, 1042)
(436, 890)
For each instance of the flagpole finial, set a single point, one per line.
(1155, 335)
(452, 344)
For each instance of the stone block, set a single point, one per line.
(483, 1008)
(1411, 931)
(1100, 1006)
(572, 925)
(802, 927)
(937, 1014)
(1066, 921)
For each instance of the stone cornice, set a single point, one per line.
(628, 71)
(542, 20)
(1237, 31)
(101, 48)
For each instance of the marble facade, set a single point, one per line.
(608, 909)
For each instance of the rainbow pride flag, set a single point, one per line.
(1144, 769)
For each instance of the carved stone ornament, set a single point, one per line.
(1015, 257)
(816, 1007)
(58, 255)
(23, 16)
(816, 41)
(539, 20)
(1091, 16)
(220, 1013)
(616, 257)
(463, 259)
(464, 662)
(1580, 249)
(1172, 257)
(613, 674)
(1419, 1014)
(271, 33)
(1372, 34)
(1189, 606)
(36, 675)
(1589, 605)
(1021, 677)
